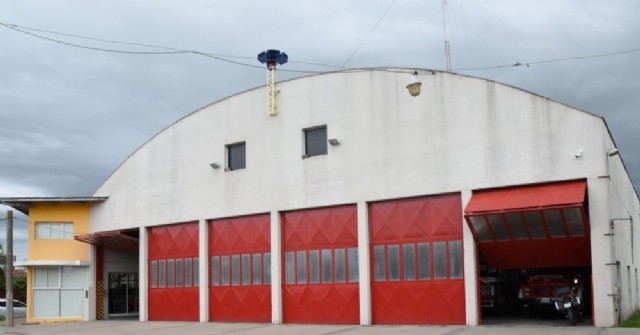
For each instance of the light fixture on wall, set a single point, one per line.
(215, 165)
(334, 141)
(612, 152)
(414, 85)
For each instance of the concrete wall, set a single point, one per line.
(460, 134)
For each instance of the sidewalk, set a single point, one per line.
(195, 328)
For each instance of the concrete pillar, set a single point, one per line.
(203, 267)
(276, 268)
(470, 268)
(143, 288)
(363, 264)
(602, 257)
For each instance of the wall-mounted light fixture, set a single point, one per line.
(579, 153)
(612, 152)
(215, 165)
(414, 85)
(334, 141)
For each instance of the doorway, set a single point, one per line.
(123, 294)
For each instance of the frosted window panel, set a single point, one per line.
(246, 272)
(68, 230)
(257, 269)
(162, 273)
(378, 263)
(302, 267)
(340, 266)
(267, 268)
(408, 262)
(424, 261)
(46, 303)
(171, 272)
(289, 270)
(74, 277)
(71, 303)
(440, 259)
(179, 270)
(455, 259)
(40, 277)
(53, 277)
(188, 272)
(196, 272)
(327, 266)
(393, 259)
(352, 259)
(314, 266)
(42, 231)
(154, 274)
(235, 270)
(215, 270)
(224, 262)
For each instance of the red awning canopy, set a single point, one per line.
(120, 240)
(528, 197)
(532, 226)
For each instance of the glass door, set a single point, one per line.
(123, 294)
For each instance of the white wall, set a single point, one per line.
(461, 133)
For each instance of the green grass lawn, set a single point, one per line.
(633, 321)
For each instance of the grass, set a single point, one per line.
(633, 321)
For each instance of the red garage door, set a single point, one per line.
(240, 268)
(416, 261)
(532, 226)
(173, 272)
(320, 257)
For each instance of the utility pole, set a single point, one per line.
(9, 270)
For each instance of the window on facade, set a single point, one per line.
(54, 231)
(315, 141)
(257, 269)
(196, 272)
(267, 268)
(440, 259)
(340, 266)
(59, 291)
(379, 267)
(314, 266)
(289, 269)
(352, 259)
(408, 262)
(154, 274)
(327, 266)
(188, 272)
(424, 261)
(236, 156)
(225, 270)
(179, 274)
(171, 273)
(246, 274)
(162, 273)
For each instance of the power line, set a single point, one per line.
(369, 34)
(170, 50)
(553, 60)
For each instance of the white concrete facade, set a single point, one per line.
(461, 134)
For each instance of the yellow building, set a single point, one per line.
(58, 266)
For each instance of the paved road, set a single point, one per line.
(193, 328)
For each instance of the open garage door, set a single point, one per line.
(538, 226)
(240, 267)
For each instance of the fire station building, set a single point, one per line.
(357, 204)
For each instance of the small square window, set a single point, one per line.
(236, 156)
(315, 141)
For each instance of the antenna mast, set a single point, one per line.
(447, 49)
(271, 58)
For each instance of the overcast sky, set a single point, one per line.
(69, 116)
